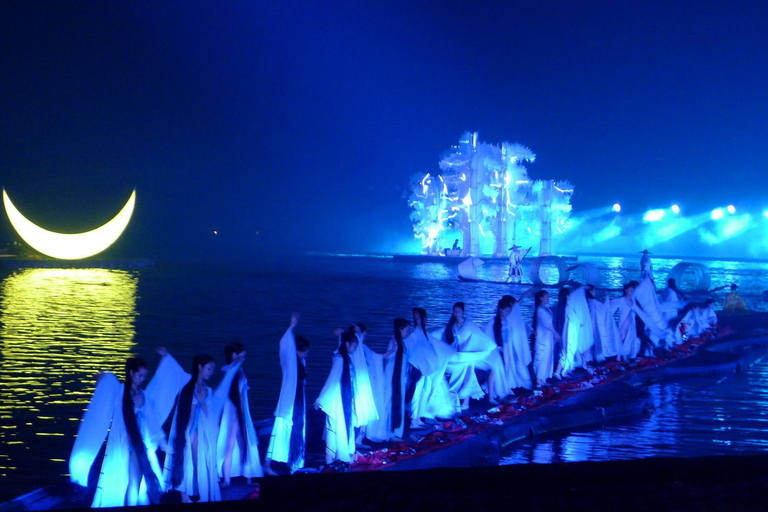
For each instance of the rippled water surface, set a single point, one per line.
(59, 327)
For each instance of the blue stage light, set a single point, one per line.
(717, 213)
(731, 209)
(654, 215)
(675, 209)
(617, 207)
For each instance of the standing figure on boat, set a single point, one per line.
(543, 338)
(337, 401)
(131, 419)
(238, 446)
(191, 467)
(289, 432)
(515, 261)
(646, 265)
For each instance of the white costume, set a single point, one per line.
(577, 333)
(431, 397)
(104, 418)
(339, 441)
(604, 329)
(629, 344)
(544, 346)
(280, 442)
(475, 350)
(515, 349)
(201, 476)
(710, 316)
(246, 464)
(382, 371)
(365, 406)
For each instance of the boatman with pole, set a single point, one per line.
(646, 266)
(515, 259)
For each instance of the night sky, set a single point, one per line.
(296, 125)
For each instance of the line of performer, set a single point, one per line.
(425, 375)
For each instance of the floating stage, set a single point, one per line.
(383, 479)
(455, 260)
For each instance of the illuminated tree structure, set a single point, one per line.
(484, 197)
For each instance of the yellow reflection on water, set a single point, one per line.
(58, 329)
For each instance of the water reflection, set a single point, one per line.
(699, 416)
(58, 328)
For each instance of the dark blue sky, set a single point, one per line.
(304, 120)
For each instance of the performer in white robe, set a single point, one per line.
(709, 313)
(604, 329)
(389, 378)
(238, 445)
(507, 328)
(544, 336)
(288, 440)
(580, 328)
(190, 466)
(629, 342)
(365, 405)
(474, 350)
(337, 401)
(577, 334)
(130, 473)
(431, 397)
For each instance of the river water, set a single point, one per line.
(60, 327)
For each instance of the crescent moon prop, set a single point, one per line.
(69, 246)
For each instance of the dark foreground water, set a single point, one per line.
(59, 327)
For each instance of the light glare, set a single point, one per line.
(654, 215)
(717, 213)
(617, 207)
(675, 209)
(731, 209)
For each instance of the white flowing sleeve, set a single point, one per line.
(162, 390)
(93, 429)
(289, 365)
(221, 394)
(329, 396)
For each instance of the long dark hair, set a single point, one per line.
(234, 388)
(448, 335)
(183, 411)
(135, 364)
(538, 300)
(504, 302)
(347, 391)
(562, 303)
(422, 314)
(297, 442)
(397, 391)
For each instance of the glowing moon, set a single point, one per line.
(69, 246)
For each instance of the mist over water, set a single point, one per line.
(60, 327)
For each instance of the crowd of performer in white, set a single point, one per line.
(424, 376)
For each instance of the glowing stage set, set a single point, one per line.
(484, 198)
(482, 201)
